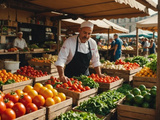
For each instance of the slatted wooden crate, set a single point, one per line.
(110, 86)
(147, 81)
(15, 86)
(126, 112)
(36, 115)
(127, 75)
(45, 67)
(59, 108)
(79, 97)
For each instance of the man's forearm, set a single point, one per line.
(60, 71)
(98, 70)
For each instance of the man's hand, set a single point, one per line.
(64, 79)
(114, 53)
(101, 75)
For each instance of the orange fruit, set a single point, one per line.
(55, 92)
(19, 92)
(27, 88)
(32, 93)
(57, 99)
(49, 101)
(49, 86)
(37, 86)
(47, 93)
(62, 96)
(42, 89)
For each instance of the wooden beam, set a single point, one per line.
(147, 4)
(137, 41)
(59, 35)
(158, 68)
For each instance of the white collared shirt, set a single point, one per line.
(21, 43)
(68, 50)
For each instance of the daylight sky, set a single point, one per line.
(151, 11)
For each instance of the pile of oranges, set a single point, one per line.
(4, 76)
(47, 95)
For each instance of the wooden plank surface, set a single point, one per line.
(60, 105)
(148, 79)
(41, 118)
(33, 115)
(42, 64)
(124, 118)
(147, 84)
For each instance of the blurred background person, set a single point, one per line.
(145, 47)
(111, 50)
(152, 47)
(125, 43)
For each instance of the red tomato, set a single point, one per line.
(80, 86)
(87, 88)
(71, 79)
(2, 107)
(19, 109)
(80, 82)
(1, 98)
(69, 83)
(31, 107)
(57, 86)
(39, 100)
(65, 85)
(12, 96)
(74, 87)
(2, 94)
(8, 114)
(9, 103)
(25, 99)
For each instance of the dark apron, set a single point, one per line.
(79, 64)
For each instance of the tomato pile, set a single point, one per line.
(73, 84)
(106, 79)
(127, 65)
(18, 103)
(5, 76)
(31, 72)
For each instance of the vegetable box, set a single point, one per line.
(147, 81)
(14, 86)
(126, 112)
(45, 67)
(127, 75)
(59, 108)
(36, 115)
(79, 97)
(108, 86)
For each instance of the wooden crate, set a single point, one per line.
(45, 67)
(59, 108)
(127, 75)
(36, 115)
(109, 86)
(79, 97)
(126, 112)
(15, 86)
(147, 81)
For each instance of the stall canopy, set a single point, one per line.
(141, 33)
(92, 9)
(150, 24)
(149, 3)
(101, 26)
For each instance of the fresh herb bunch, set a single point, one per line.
(153, 65)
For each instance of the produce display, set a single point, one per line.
(12, 50)
(45, 60)
(73, 84)
(34, 46)
(120, 65)
(146, 72)
(138, 59)
(8, 77)
(31, 72)
(71, 115)
(124, 89)
(102, 103)
(128, 48)
(152, 56)
(142, 97)
(153, 65)
(106, 79)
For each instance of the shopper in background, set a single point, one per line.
(111, 50)
(145, 47)
(76, 53)
(118, 45)
(143, 41)
(19, 42)
(125, 43)
(152, 47)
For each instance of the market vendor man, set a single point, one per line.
(117, 49)
(76, 53)
(19, 42)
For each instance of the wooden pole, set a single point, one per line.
(153, 34)
(137, 41)
(108, 45)
(59, 35)
(158, 68)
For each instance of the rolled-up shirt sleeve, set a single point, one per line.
(95, 57)
(63, 54)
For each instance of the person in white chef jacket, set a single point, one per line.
(76, 53)
(19, 42)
